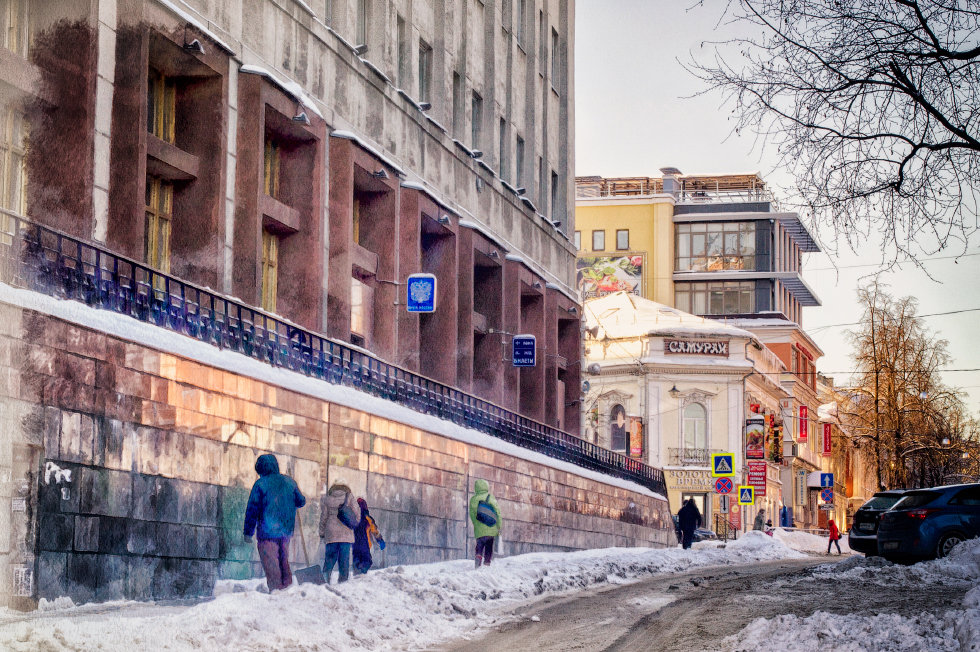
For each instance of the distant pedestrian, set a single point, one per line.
(365, 534)
(834, 534)
(485, 515)
(271, 515)
(760, 521)
(689, 519)
(339, 515)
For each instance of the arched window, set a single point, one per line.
(617, 428)
(695, 427)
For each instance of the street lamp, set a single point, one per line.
(674, 392)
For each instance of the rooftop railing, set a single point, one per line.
(55, 264)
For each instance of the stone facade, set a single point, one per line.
(135, 465)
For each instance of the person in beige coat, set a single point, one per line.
(338, 535)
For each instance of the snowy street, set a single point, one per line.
(772, 592)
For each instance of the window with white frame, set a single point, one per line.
(695, 427)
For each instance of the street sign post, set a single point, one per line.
(746, 494)
(826, 479)
(722, 464)
(828, 507)
(723, 486)
(524, 351)
(420, 293)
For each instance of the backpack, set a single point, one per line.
(346, 514)
(486, 514)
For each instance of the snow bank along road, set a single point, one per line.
(757, 593)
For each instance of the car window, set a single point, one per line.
(968, 496)
(881, 502)
(916, 499)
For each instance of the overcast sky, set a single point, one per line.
(634, 115)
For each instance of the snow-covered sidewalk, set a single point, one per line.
(954, 629)
(405, 607)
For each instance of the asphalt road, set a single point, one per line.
(696, 610)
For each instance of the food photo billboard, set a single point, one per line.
(598, 276)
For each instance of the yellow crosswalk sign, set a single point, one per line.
(746, 494)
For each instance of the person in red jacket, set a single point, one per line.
(834, 536)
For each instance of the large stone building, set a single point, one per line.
(261, 178)
(718, 246)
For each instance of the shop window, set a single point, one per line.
(361, 317)
(13, 172)
(618, 427)
(622, 239)
(161, 106)
(695, 427)
(362, 21)
(273, 159)
(159, 214)
(270, 270)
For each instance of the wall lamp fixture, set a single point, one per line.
(443, 219)
(493, 254)
(536, 285)
(573, 310)
(360, 49)
(380, 174)
(476, 153)
(673, 391)
(194, 46)
(520, 191)
(425, 106)
(556, 224)
(301, 117)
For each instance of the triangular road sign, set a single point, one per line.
(723, 466)
(746, 495)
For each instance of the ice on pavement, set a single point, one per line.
(405, 607)
(955, 629)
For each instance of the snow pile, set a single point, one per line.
(405, 607)
(959, 629)
(808, 542)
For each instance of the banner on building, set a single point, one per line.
(827, 442)
(598, 276)
(757, 476)
(755, 438)
(804, 422)
(636, 437)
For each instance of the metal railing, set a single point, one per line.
(724, 528)
(52, 263)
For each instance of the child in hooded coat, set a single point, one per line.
(483, 533)
(366, 532)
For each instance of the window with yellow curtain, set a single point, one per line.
(271, 174)
(357, 220)
(159, 213)
(270, 270)
(13, 173)
(161, 105)
(14, 19)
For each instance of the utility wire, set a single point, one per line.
(897, 264)
(931, 314)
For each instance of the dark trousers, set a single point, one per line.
(834, 543)
(484, 549)
(274, 555)
(337, 554)
(688, 538)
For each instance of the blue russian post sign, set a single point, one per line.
(722, 464)
(421, 293)
(524, 354)
(826, 479)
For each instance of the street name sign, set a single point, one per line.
(722, 464)
(524, 353)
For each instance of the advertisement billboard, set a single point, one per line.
(755, 438)
(804, 422)
(636, 437)
(598, 276)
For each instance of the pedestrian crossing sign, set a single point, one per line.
(722, 464)
(746, 494)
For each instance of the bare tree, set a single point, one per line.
(912, 428)
(874, 106)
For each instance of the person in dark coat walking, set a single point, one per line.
(366, 532)
(689, 519)
(271, 515)
(834, 536)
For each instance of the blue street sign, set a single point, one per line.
(827, 495)
(723, 486)
(524, 351)
(722, 464)
(421, 293)
(826, 479)
(746, 494)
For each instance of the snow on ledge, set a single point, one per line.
(138, 332)
(289, 86)
(184, 15)
(373, 151)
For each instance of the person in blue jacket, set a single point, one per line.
(271, 515)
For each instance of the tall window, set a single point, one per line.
(13, 172)
(362, 21)
(161, 106)
(457, 104)
(356, 220)
(554, 58)
(14, 23)
(159, 213)
(272, 163)
(519, 162)
(617, 428)
(554, 196)
(622, 239)
(695, 427)
(503, 149)
(425, 71)
(598, 240)
(521, 21)
(402, 52)
(270, 270)
(578, 240)
(716, 246)
(477, 126)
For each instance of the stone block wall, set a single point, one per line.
(139, 463)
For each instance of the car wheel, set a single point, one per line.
(946, 543)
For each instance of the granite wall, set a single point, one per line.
(134, 466)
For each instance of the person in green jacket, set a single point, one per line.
(485, 515)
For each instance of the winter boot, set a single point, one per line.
(479, 560)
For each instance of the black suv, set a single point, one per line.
(928, 523)
(863, 535)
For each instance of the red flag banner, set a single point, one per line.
(804, 418)
(827, 444)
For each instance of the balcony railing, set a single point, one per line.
(52, 263)
(691, 456)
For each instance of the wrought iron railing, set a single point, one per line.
(47, 261)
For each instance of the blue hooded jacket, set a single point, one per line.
(272, 505)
